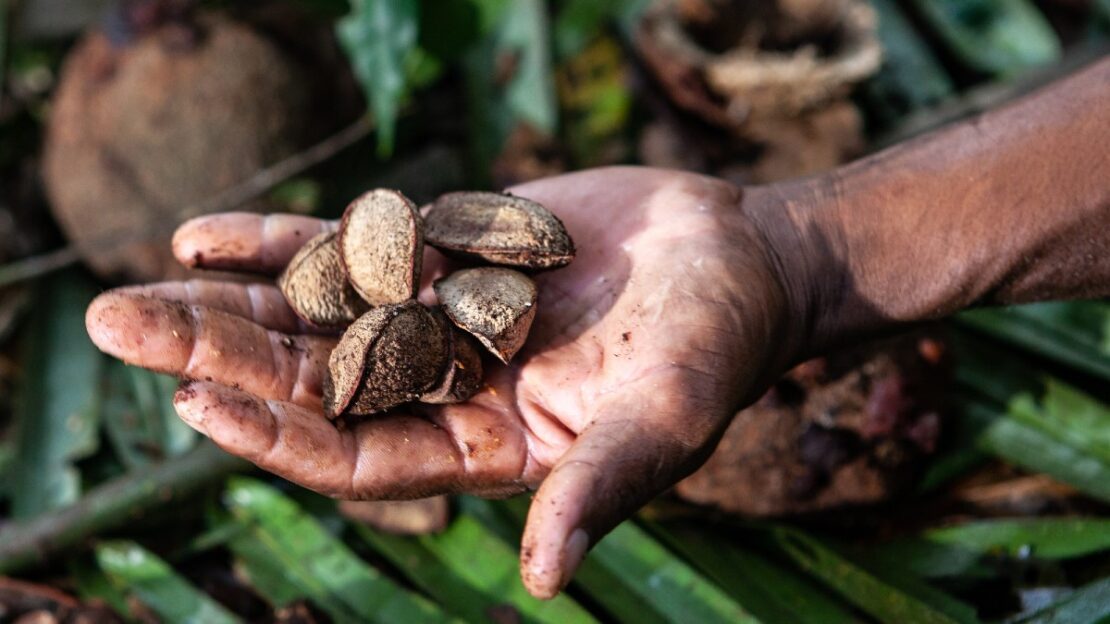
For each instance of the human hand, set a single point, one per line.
(672, 316)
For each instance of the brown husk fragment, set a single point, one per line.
(499, 229)
(389, 356)
(493, 304)
(853, 428)
(407, 517)
(140, 131)
(462, 378)
(381, 244)
(316, 287)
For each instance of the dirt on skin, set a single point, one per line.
(389, 356)
(381, 243)
(499, 229)
(142, 129)
(850, 429)
(316, 287)
(493, 304)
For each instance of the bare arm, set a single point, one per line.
(1012, 206)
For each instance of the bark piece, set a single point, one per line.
(389, 356)
(499, 229)
(493, 304)
(462, 378)
(315, 285)
(381, 244)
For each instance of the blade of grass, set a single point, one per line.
(1089, 604)
(156, 585)
(1074, 333)
(1044, 538)
(767, 590)
(876, 595)
(653, 576)
(57, 407)
(443, 566)
(320, 564)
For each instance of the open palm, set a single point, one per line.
(669, 319)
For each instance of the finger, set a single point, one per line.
(617, 464)
(243, 241)
(287, 439)
(197, 342)
(261, 303)
(393, 456)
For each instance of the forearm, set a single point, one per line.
(1012, 206)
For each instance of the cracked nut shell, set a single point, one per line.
(493, 304)
(391, 355)
(381, 244)
(499, 229)
(462, 378)
(315, 285)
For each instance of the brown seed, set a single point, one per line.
(500, 229)
(390, 355)
(381, 243)
(493, 304)
(315, 285)
(462, 378)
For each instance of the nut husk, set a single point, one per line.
(391, 355)
(499, 229)
(462, 378)
(381, 244)
(316, 287)
(495, 305)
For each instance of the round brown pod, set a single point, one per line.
(316, 287)
(139, 131)
(499, 229)
(391, 355)
(462, 378)
(381, 244)
(495, 305)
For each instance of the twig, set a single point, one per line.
(112, 505)
(263, 180)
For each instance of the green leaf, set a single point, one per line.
(765, 589)
(157, 586)
(443, 566)
(524, 33)
(57, 407)
(1000, 37)
(1075, 333)
(910, 78)
(93, 584)
(139, 417)
(1088, 605)
(633, 576)
(1067, 415)
(317, 563)
(378, 37)
(579, 21)
(1043, 538)
(876, 594)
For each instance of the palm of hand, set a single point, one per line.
(640, 352)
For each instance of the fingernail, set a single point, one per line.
(573, 554)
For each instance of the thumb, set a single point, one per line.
(614, 467)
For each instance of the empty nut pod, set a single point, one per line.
(391, 355)
(495, 305)
(381, 244)
(499, 229)
(316, 287)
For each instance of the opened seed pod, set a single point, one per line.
(316, 287)
(500, 229)
(381, 244)
(493, 304)
(462, 378)
(391, 355)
